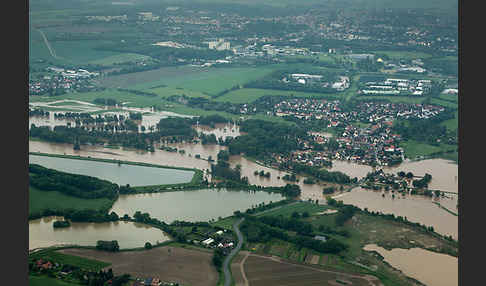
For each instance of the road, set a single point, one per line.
(227, 274)
(53, 54)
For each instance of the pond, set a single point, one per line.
(198, 205)
(128, 234)
(120, 174)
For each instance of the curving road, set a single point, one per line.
(227, 274)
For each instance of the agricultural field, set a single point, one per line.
(41, 200)
(56, 256)
(444, 103)
(394, 99)
(247, 95)
(403, 55)
(413, 148)
(269, 270)
(44, 280)
(226, 223)
(119, 59)
(299, 207)
(209, 81)
(187, 266)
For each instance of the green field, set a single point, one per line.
(209, 81)
(444, 103)
(84, 263)
(299, 207)
(41, 200)
(397, 55)
(394, 99)
(413, 148)
(44, 280)
(120, 58)
(226, 223)
(247, 95)
(452, 124)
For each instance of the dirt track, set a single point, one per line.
(186, 266)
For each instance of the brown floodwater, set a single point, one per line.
(128, 234)
(419, 209)
(415, 208)
(444, 172)
(430, 268)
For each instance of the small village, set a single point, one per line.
(366, 137)
(59, 81)
(402, 182)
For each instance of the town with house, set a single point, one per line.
(373, 143)
(59, 81)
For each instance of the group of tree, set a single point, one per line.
(108, 245)
(257, 231)
(264, 138)
(422, 183)
(319, 173)
(81, 186)
(105, 101)
(61, 223)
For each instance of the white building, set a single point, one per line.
(219, 45)
(208, 241)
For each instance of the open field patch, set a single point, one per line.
(186, 266)
(247, 95)
(42, 200)
(267, 271)
(299, 207)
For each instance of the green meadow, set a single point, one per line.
(41, 200)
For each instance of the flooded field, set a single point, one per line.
(416, 208)
(221, 130)
(120, 174)
(430, 268)
(199, 205)
(128, 234)
(150, 118)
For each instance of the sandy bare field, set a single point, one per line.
(186, 266)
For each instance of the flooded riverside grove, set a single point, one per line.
(128, 234)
